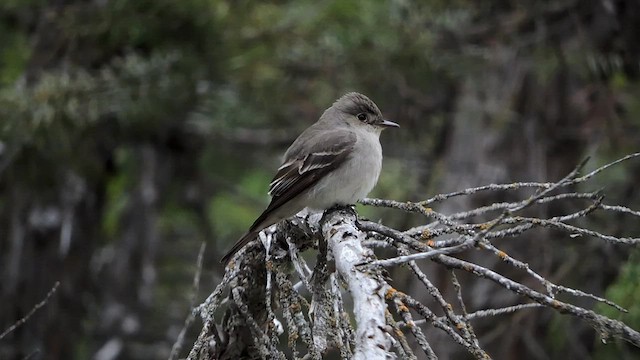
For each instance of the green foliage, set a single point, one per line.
(117, 190)
(625, 291)
(9, 5)
(62, 115)
(231, 214)
(556, 336)
(13, 56)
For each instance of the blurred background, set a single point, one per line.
(133, 131)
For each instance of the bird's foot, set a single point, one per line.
(338, 207)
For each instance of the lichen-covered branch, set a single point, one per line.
(271, 290)
(366, 287)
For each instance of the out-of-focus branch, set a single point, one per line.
(33, 310)
(177, 346)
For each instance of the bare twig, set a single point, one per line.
(177, 346)
(31, 312)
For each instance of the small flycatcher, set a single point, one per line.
(336, 161)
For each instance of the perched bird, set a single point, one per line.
(335, 161)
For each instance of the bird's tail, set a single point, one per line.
(244, 240)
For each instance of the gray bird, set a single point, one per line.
(335, 161)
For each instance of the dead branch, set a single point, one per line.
(276, 288)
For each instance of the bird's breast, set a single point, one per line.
(353, 179)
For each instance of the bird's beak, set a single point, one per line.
(387, 123)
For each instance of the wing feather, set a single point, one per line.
(323, 153)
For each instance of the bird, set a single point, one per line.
(335, 161)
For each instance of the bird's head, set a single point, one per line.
(358, 109)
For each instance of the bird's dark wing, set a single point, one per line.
(324, 152)
(304, 165)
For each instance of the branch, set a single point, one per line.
(606, 327)
(23, 320)
(177, 346)
(262, 299)
(367, 288)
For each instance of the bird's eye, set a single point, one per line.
(362, 116)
